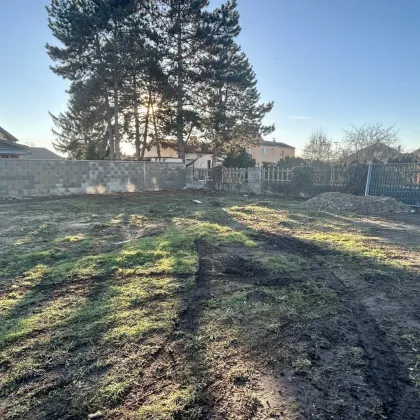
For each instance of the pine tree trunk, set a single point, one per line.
(116, 97)
(214, 156)
(110, 133)
(116, 123)
(180, 91)
(146, 122)
(108, 109)
(157, 141)
(111, 141)
(136, 118)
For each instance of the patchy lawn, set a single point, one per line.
(150, 306)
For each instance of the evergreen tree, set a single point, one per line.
(184, 22)
(289, 162)
(78, 133)
(93, 35)
(234, 116)
(239, 159)
(144, 78)
(145, 71)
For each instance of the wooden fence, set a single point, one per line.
(274, 174)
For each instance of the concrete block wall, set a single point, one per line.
(62, 177)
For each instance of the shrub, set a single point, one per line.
(302, 179)
(240, 159)
(356, 179)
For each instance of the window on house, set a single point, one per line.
(282, 153)
(265, 150)
(208, 164)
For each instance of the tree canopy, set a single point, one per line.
(358, 139)
(148, 71)
(239, 159)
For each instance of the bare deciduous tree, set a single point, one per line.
(358, 138)
(319, 147)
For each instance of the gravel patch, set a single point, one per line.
(338, 202)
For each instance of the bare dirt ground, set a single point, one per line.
(150, 306)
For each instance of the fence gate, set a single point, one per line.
(398, 180)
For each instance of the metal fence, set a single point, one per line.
(398, 180)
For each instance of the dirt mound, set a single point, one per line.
(337, 202)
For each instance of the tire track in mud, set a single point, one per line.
(385, 371)
(159, 375)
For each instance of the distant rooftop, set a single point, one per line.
(11, 148)
(41, 153)
(5, 135)
(275, 144)
(188, 148)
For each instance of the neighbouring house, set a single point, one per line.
(199, 157)
(9, 147)
(374, 153)
(41, 153)
(416, 153)
(270, 152)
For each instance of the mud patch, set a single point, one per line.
(346, 364)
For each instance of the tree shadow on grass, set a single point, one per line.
(78, 344)
(318, 341)
(247, 347)
(356, 337)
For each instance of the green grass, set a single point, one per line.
(168, 407)
(90, 298)
(250, 312)
(78, 290)
(285, 264)
(302, 365)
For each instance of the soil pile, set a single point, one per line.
(338, 202)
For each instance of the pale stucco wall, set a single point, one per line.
(167, 153)
(201, 162)
(164, 152)
(273, 153)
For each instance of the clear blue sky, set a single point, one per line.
(326, 64)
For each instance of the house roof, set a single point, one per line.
(416, 152)
(41, 153)
(189, 148)
(377, 150)
(8, 135)
(11, 148)
(275, 144)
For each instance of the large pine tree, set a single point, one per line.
(147, 71)
(233, 116)
(184, 20)
(93, 34)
